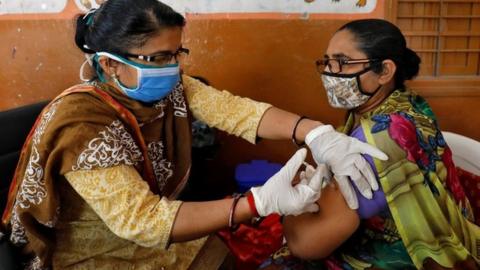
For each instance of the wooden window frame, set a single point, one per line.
(438, 86)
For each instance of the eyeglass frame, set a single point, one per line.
(341, 63)
(151, 58)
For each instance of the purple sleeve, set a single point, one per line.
(369, 208)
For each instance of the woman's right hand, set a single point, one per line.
(342, 154)
(278, 195)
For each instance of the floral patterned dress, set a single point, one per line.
(425, 220)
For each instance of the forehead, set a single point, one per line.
(344, 43)
(168, 39)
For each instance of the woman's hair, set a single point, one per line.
(380, 39)
(119, 25)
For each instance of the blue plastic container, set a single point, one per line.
(255, 173)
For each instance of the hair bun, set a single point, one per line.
(81, 33)
(412, 64)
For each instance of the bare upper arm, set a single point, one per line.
(317, 235)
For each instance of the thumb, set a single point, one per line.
(293, 165)
(368, 149)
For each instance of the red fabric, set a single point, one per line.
(404, 133)
(453, 177)
(251, 203)
(471, 184)
(251, 245)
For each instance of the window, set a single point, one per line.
(445, 33)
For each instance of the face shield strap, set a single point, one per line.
(98, 68)
(89, 16)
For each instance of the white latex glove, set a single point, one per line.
(278, 195)
(343, 154)
(321, 173)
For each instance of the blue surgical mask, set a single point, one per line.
(153, 83)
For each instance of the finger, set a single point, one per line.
(363, 186)
(302, 175)
(316, 182)
(325, 172)
(353, 172)
(293, 165)
(367, 172)
(368, 149)
(312, 208)
(347, 191)
(346, 166)
(304, 181)
(306, 164)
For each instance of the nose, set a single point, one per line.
(327, 68)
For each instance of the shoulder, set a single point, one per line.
(403, 127)
(78, 118)
(406, 104)
(82, 100)
(66, 111)
(403, 111)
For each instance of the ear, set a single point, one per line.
(388, 72)
(108, 65)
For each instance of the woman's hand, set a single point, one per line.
(278, 195)
(343, 154)
(322, 171)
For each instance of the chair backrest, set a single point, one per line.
(15, 125)
(466, 152)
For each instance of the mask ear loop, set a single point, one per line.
(370, 68)
(88, 60)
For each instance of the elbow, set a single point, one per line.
(140, 238)
(138, 233)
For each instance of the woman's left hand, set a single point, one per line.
(278, 195)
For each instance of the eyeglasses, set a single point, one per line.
(335, 65)
(161, 59)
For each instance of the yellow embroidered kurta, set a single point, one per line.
(109, 219)
(220, 109)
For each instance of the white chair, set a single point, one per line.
(466, 151)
